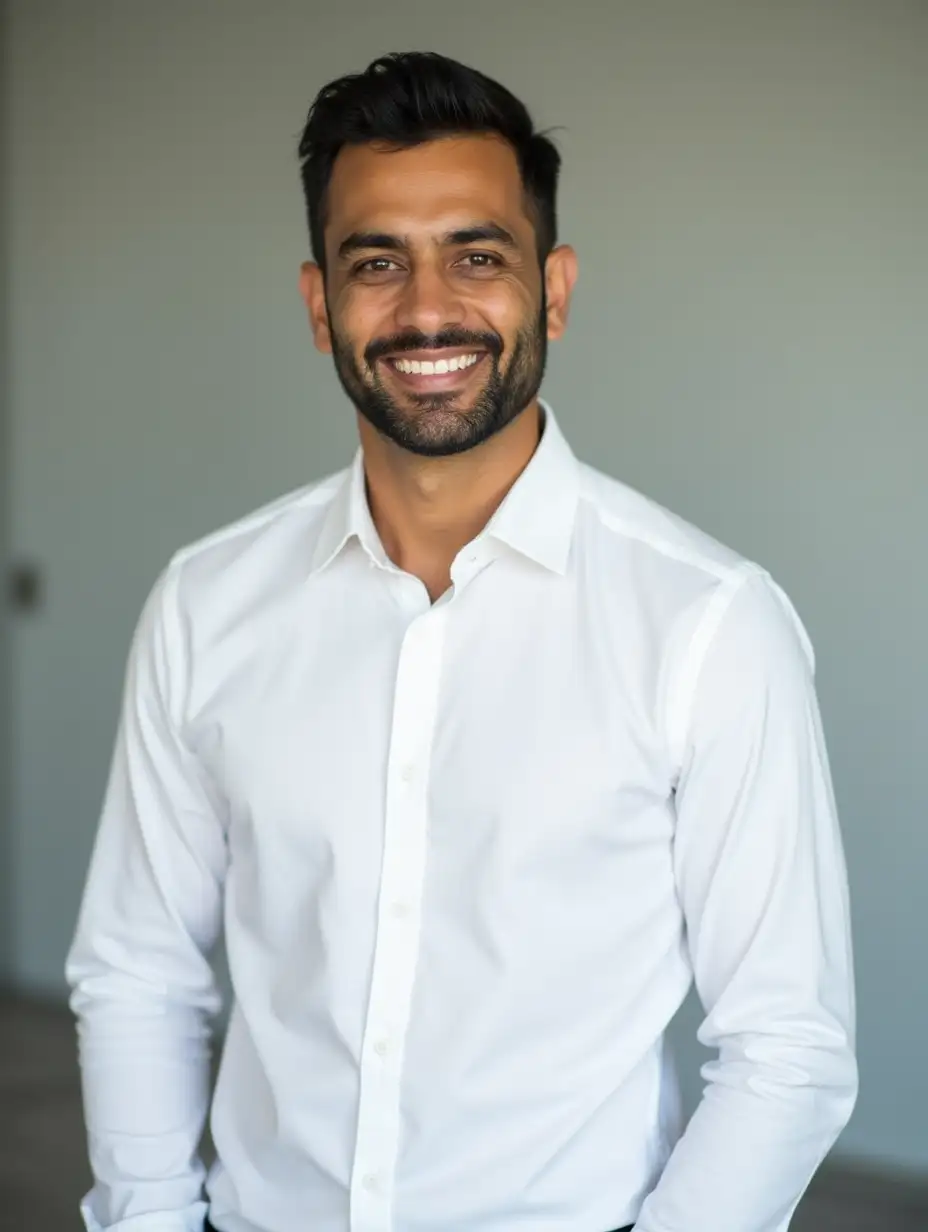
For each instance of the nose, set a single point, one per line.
(429, 301)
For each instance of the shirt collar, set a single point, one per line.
(348, 517)
(536, 517)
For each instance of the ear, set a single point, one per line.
(560, 277)
(312, 289)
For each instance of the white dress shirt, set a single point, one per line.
(468, 858)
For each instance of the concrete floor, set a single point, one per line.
(43, 1168)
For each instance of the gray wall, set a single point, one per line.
(6, 869)
(747, 185)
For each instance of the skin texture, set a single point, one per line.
(431, 255)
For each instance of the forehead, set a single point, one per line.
(428, 187)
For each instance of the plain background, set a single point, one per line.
(747, 187)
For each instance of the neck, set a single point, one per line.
(427, 509)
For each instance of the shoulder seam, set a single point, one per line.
(177, 656)
(683, 698)
(665, 546)
(316, 494)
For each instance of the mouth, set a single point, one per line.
(434, 371)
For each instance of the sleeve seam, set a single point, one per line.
(683, 695)
(176, 664)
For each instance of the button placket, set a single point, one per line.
(397, 943)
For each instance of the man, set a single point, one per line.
(476, 758)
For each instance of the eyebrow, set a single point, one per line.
(482, 232)
(363, 241)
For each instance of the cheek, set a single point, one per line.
(360, 321)
(506, 308)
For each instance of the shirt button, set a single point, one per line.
(371, 1183)
(381, 1048)
(408, 773)
(399, 911)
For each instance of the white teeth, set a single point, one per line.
(425, 367)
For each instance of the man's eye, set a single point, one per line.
(376, 265)
(481, 260)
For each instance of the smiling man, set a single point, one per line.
(476, 759)
(436, 287)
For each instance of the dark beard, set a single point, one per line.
(435, 428)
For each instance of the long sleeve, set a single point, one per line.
(762, 883)
(142, 985)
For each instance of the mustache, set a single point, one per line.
(411, 340)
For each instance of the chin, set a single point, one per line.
(442, 404)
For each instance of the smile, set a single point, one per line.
(428, 367)
(432, 372)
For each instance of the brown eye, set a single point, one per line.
(376, 265)
(481, 260)
(480, 263)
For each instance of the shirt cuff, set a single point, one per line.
(190, 1219)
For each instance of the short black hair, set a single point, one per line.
(407, 98)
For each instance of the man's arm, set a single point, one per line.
(143, 987)
(762, 883)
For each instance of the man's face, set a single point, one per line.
(434, 306)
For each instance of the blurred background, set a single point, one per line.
(747, 187)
